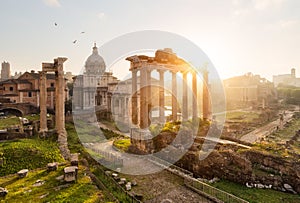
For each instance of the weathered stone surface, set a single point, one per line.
(225, 162)
(3, 192)
(52, 166)
(74, 159)
(70, 173)
(22, 173)
(38, 183)
(121, 182)
(128, 187)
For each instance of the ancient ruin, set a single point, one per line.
(57, 68)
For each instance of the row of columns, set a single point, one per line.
(145, 96)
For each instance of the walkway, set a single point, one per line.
(261, 132)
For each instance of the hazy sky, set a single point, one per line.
(239, 36)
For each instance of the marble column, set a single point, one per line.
(194, 87)
(60, 96)
(43, 102)
(205, 96)
(184, 97)
(134, 103)
(143, 99)
(174, 96)
(161, 96)
(149, 96)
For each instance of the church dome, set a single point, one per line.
(95, 63)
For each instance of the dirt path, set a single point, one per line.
(261, 132)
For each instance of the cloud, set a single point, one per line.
(101, 15)
(52, 3)
(266, 4)
(288, 23)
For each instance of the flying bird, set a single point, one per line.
(82, 32)
(55, 24)
(74, 41)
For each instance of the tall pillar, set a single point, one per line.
(161, 90)
(184, 97)
(60, 96)
(149, 95)
(134, 104)
(174, 96)
(194, 87)
(43, 102)
(205, 96)
(143, 99)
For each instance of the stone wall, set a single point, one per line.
(248, 167)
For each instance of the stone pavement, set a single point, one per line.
(261, 132)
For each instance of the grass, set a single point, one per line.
(242, 116)
(27, 153)
(255, 195)
(122, 144)
(53, 190)
(7, 122)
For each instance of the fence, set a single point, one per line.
(212, 192)
(204, 189)
(110, 158)
(117, 190)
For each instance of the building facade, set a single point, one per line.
(26, 89)
(287, 79)
(249, 88)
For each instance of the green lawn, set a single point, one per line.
(242, 116)
(255, 195)
(53, 190)
(7, 122)
(27, 153)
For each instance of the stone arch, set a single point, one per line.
(14, 111)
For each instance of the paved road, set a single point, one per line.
(261, 132)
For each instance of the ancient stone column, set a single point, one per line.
(174, 96)
(60, 96)
(161, 96)
(43, 102)
(184, 97)
(194, 87)
(149, 95)
(134, 104)
(205, 96)
(143, 99)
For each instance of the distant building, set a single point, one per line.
(5, 71)
(287, 79)
(85, 85)
(26, 89)
(69, 77)
(249, 88)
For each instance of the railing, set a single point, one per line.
(212, 192)
(116, 161)
(117, 190)
(202, 188)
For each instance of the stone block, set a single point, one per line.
(52, 166)
(22, 173)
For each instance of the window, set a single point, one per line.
(52, 84)
(4, 88)
(29, 94)
(11, 89)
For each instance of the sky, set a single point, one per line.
(239, 36)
